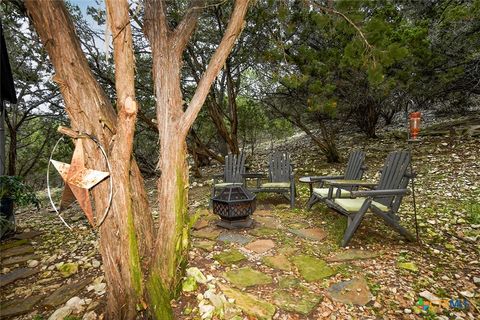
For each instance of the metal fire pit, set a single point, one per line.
(234, 205)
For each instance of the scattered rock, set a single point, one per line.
(61, 313)
(33, 263)
(279, 262)
(195, 273)
(410, 266)
(250, 304)
(476, 280)
(229, 257)
(76, 304)
(429, 296)
(354, 292)
(189, 284)
(312, 269)
(260, 246)
(352, 254)
(314, 234)
(96, 263)
(234, 238)
(20, 273)
(247, 277)
(67, 269)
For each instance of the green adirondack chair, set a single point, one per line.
(354, 171)
(384, 201)
(232, 173)
(281, 178)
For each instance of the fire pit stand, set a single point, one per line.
(234, 205)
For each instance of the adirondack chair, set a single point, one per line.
(281, 177)
(354, 171)
(232, 173)
(384, 201)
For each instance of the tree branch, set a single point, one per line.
(186, 27)
(216, 63)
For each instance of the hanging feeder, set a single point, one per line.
(414, 122)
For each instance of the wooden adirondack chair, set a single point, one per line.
(232, 173)
(384, 201)
(281, 177)
(354, 171)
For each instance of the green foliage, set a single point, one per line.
(13, 187)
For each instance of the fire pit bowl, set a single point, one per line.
(234, 205)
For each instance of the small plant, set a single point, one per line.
(13, 188)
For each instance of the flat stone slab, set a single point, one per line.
(235, 238)
(260, 246)
(268, 221)
(247, 277)
(279, 262)
(288, 282)
(314, 234)
(206, 233)
(263, 232)
(20, 273)
(410, 266)
(302, 302)
(250, 304)
(17, 251)
(263, 213)
(27, 235)
(229, 257)
(13, 244)
(206, 245)
(65, 292)
(353, 254)
(200, 224)
(312, 269)
(354, 292)
(19, 260)
(19, 306)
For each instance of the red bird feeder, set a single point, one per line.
(414, 120)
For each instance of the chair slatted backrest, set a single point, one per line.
(394, 176)
(355, 168)
(234, 168)
(280, 167)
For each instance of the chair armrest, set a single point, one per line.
(350, 183)
(320, 178)
(379, 193)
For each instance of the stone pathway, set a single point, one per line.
(277, 268)
(32, 280)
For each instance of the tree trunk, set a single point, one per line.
(129, 215)
(131, 259)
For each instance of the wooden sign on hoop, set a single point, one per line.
(79, 179)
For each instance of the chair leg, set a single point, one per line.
(354, 223)
(292, 200)
(392, 221)
(313, 199)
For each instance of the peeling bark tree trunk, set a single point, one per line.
(141, 268)
(90, 111)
